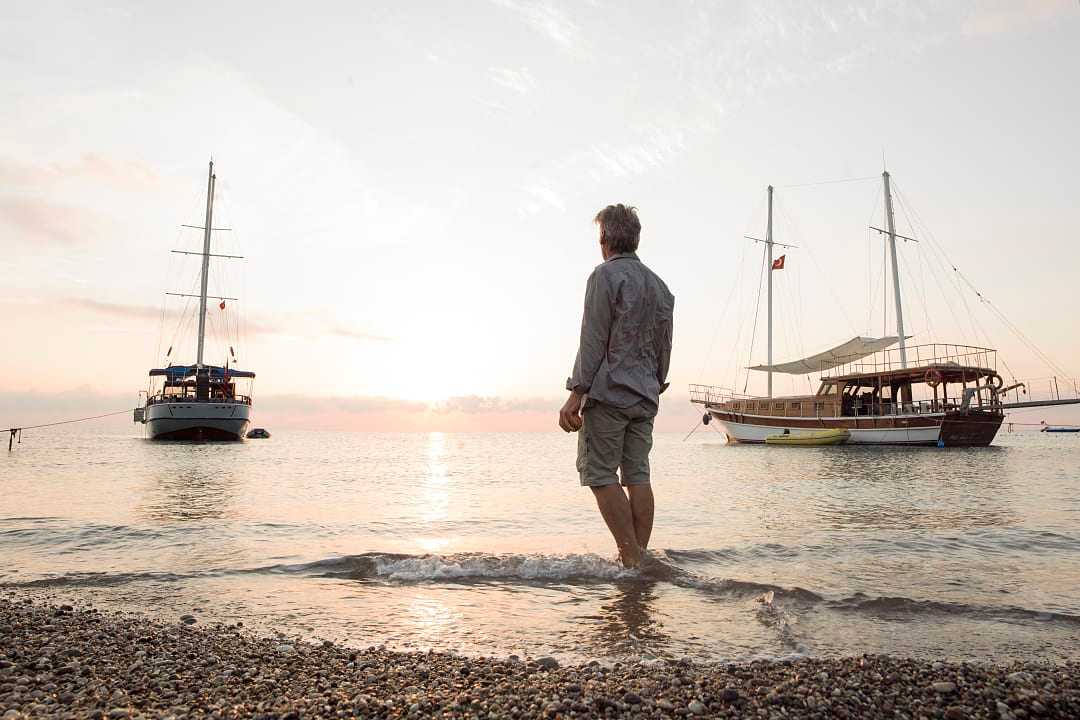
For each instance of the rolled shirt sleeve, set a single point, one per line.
(595, 331)
(664, 349)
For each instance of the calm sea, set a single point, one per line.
(485, 543)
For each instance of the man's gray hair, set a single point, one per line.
(620, 229)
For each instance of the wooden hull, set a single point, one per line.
(952, 429)
(972, 429)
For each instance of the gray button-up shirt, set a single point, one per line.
(625, 348)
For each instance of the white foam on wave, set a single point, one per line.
(524, 567)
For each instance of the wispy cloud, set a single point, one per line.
(51, 223)
(716, 59)
(655, 146)
(353, 334)
(20, 407)
(367, 404)
(546, 19)
(382, 414)
(465, 413)
(1001, 17)
(125, 174)
(351, 405)
(478, 404)
(114, 310)
(543, 196)
(518, 80)
(652, 147)
(298, 325)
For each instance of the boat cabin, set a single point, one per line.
(913, 390)
(191, 383)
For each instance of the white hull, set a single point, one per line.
(197, 420)
(749, 433)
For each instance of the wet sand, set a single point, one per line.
(75, 662)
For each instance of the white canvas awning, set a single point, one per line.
(854, 349)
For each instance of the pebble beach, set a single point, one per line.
(75, 661)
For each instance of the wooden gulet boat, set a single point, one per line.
(935, 394)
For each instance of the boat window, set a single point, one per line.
(796, 406)
(778, 406)
(736, 406)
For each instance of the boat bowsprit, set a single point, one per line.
(832, 436)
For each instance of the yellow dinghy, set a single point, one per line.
(810, 437)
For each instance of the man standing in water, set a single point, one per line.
(620, 371)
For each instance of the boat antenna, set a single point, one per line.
(205, 261)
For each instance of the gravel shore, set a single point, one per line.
(59, 661)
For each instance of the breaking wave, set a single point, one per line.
(775, 602)
(463, 566)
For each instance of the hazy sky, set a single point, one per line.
(413, 186)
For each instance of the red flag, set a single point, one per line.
(222, 303)
(778, 264)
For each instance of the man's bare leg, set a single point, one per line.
(615, 508)
(641, 507)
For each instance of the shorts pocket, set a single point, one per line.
(582, 449)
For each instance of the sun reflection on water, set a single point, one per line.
(429, 619)
(434, 492)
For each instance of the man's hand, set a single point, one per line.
(570, 414)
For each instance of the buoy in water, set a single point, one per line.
(706, 419)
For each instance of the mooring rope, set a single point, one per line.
(12, 432)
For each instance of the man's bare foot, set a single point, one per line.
(630, 558)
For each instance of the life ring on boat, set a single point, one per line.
(995, 382)
(933, 377)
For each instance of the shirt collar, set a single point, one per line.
(619, 256)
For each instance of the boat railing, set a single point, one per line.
(915, 407)
(927, 356)
(237, 399)
(712, 394)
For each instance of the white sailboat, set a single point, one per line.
(199, 401)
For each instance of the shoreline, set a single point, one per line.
(67, 662)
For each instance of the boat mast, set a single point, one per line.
(769, 246)
(205, 261)
(891, 225)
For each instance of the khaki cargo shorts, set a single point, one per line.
(614, 439)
